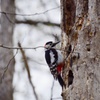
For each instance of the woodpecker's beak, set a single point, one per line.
(54, 44)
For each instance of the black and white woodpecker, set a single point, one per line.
(55, 61)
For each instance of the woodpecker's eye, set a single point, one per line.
(48, 44)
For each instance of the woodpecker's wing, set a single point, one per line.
(51, 57)
(47, 57)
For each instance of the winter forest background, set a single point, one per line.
(35, 23)
(27, 24)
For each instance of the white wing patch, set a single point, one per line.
(52, 57)
(60, 57)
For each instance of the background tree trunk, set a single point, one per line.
(6, 32)
(81, 30)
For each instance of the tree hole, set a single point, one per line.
(88, 49)
(70, 78)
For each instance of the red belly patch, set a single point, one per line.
(59, 67)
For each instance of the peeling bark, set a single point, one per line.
(81, 30)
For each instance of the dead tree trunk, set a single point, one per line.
(81, 31)
(6, 32)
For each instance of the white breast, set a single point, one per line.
(60, 57)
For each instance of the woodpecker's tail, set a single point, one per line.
(61, 82)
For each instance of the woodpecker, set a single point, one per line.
(55, 61)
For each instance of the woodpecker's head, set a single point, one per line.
(50, 44)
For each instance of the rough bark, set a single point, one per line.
(6, 32)
(81, 30)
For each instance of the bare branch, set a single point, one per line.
(8, 47)
(31, 14)
(31, 22)
(52, 90)
(28, 70)
(56, 98)
(9, 19)
(6, 68)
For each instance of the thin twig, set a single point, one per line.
(34, 22)
(9, 47)
(28, 70)
(30, 21)
(9, 18)
(6, 68)
(52, 90)
(56, 98)
(30, 14)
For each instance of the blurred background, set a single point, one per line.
(36, 22)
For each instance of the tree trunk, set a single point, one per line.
(6, 32)
(81, 31)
